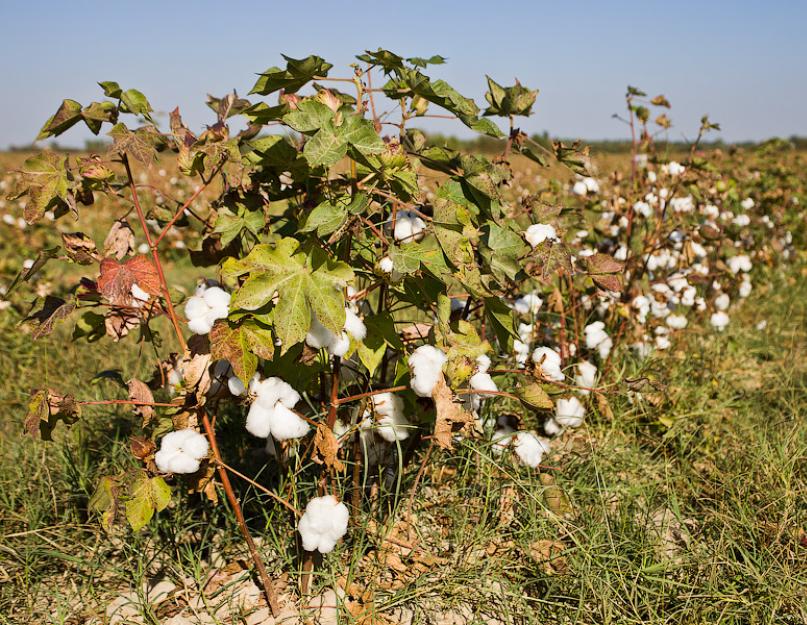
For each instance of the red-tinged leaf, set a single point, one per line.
(608, 281)
(116, 279)
(602, 263)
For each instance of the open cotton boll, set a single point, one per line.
(528, 304)
(586, 376)
(719, 320)
(354, 325)
(745, 287)
(592, 186)
(530, 448)
(286, 424)
(386, 265)
(722, 301)
(677, 322)
(551, 427)
(426, 364)
(501, 438)
(482, 363)
(318, 335)
(597, 338)
(673, 168)
(408, 227)
(323, 523)
(747, 203)
(579, 188)
(139, 294)
(271, 413)
(522, 352)
(391, 422)
(642, 208)
(181, 451)
(570, 412)
(204, 308)
(741, 220)
(538, 233)
(739, 263)
(236, 386)
(549, 361)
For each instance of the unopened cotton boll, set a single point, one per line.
(323, 523)
(528, 304)
(549, 361)
(538, 233)
(408, 227)
(205, 307)
(426, 364)
(569, 413)
(530, 448)
(181, 451)
(719, 320)
(586, 376)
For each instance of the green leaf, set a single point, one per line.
(161, 492)
(502, 321)
(68, 114)
(44, 179)
(140, 504)
(229, 225)
(135, 102)
(298, 72)
(309, 116)
(233, 345)
(535, 396)
(325, 148)
(326, 217)
(111, 89)
(361, 135)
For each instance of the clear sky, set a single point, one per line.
(744, 63)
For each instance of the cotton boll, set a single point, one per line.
(621, 253)
(549, 361)
(722, 301)
(501, 438)
(745, 288)
(426, 364)
(579, 188)
(551, 427)
(651, 176)
(530, 448)
(528, 304)
(205, 307)
(719, 320)
(236, 386)
(482, 382)
(354, 325)
(592, 186)
(538, 233)
(747, 204)
(339, 345)
(586, 376)
(677, 322)
(386, 264)
(642, 208)
(140, 294)
(323, 523)
(569, 412)
(741, 220)
(318, 335)
(391, 422)
(521, 351)
(259, 420)
(181, 451)
(673, 168)
(662, 342)
(408, 227)
(739, 263)
(286, 424)
(597, 338)
(482, 363)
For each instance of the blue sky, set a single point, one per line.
(741, 62)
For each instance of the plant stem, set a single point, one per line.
(268, 588)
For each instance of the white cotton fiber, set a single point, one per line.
(426, 364)
(181, 451)
(530, 448)
(323, 523)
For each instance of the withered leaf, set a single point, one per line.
(53, 309)
(139, 392)
(80, 248)
(603, 263)
(116, 279)
(120, 240)
(449, 414)
(327, 447)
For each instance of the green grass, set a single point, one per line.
(690, 511)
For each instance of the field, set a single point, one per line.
(682, 500)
